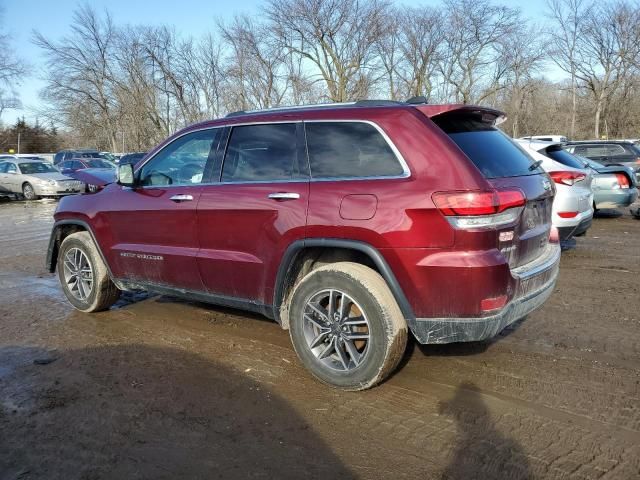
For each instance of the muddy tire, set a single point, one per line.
(346, 326)
(28, 192)
(84, 276)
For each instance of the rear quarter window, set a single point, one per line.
(491, 151)
(349, 150)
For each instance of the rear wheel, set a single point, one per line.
(346, 326)
(28, 192)
(84, 276)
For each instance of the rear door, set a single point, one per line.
(153, 227)
(247, 220)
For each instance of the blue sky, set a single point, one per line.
(52, 17)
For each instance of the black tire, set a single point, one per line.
(386, 329)
(103, 292)
(28, 192)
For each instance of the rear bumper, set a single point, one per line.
(567, 232)
(615, 198)
(535, 283)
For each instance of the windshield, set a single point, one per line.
(591, 163)
(493, 152)
(96, 163)
(36, 167)
(561, 155)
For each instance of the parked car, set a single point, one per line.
(613, 186)
(94, 179)
(34, 178)
(80, 153)
(132, 158)
(347, 224)
(572, 208)
(68, 166)
(609, 152)
(546, 138)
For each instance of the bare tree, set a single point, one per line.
(568, 17)
(471, 63)
(335, 37)
(79, 77)
(256, 63)
(12, 70)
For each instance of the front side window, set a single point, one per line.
(36, 167)
(348, 150)
(11, 168)
(182, 162)
(262, 153)
(3, 167)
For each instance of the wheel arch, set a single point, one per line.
(292, 266)
(61, 230)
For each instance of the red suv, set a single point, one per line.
(348, 224)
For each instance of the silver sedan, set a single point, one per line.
(34, 178)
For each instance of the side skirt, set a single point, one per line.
(198, 296)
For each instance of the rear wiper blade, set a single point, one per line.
(535, 165)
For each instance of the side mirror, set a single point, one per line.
(126, 177)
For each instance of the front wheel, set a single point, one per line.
(28, 192)
(346, 326)
(84, 276)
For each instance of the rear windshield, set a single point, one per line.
(95, 163)
(36, 167)
(493, 152)
(564, 157)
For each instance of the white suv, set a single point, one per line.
(572, 211)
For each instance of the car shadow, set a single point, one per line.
(138, 411)
(481, 450)
(608, 213)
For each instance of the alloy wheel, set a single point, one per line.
(336, 330)
(78, 274)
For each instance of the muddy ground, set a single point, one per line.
(162, 388)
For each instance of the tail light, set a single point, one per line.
(567, 178)
(480, 209)
(637, 160)
(489, 304)
(567, 214)
(622, 179)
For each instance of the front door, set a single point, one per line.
(258, 208)
(154, 226)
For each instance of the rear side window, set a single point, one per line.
(564, 157)
(349, 149)
(492, 152)
(3, 167)
(261, 153)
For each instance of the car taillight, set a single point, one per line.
(567, 178)
(622, 179)
(489, 304)
(567, 214)
(480, 209)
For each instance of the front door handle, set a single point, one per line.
(181, 198)
(284, 196)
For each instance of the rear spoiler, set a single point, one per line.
(491, 115)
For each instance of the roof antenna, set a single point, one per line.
(417, 100)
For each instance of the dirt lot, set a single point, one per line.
(161, 388)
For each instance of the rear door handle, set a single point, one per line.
(181, 198)
(284, 196)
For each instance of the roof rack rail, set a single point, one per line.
(357, 103)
